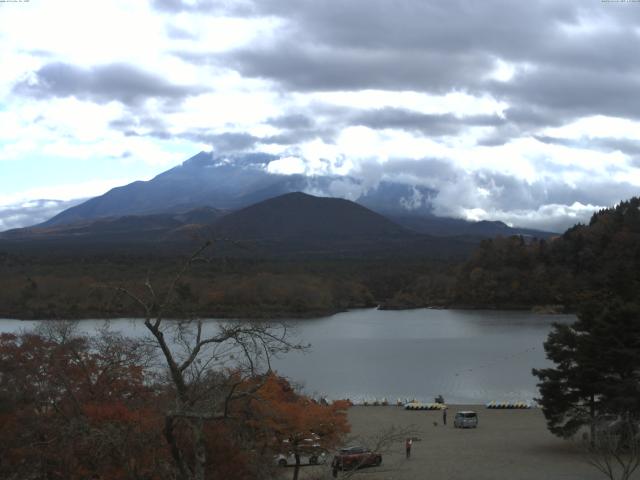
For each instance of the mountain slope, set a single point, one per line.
(199, 181)
(442, 226)
(127, 229)
(237, 181)
(231, 182)
(301, 216)
(294, 225)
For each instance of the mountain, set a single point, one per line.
(293, 225)
(128, 229)
(198, 182)
(443, 226)
(233, 182)
(298, 216)
(301, 225)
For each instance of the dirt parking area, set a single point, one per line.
(508, 444)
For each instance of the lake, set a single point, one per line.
(467, 356)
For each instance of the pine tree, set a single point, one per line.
(597, 368)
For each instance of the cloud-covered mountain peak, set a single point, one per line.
(203, 159)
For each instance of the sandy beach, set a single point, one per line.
(508, 444)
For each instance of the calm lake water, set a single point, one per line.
(466, 356)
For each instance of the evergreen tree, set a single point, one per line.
(597, 368)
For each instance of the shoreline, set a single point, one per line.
(299, 315)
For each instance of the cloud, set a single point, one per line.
(102, 84)
(317, 68)
(177, 33)
(547, 204)
(627, 146)
(226, 141)
(574, 92)
(513, 109)
(211, 7)
(424, 123)
(567, 59)
(29, 213)
(292, 121)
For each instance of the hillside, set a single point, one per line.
(597, 260)
(443, 226)
(298, 216)
(291, 225)
(117, 231)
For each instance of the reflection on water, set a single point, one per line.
(467, 356)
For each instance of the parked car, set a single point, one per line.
(465, 419)
(310, 451)
(305, 459)
(355, 457)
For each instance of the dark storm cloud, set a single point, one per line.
(102, 84)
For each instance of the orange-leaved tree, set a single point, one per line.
(73, 407)
(291, 423)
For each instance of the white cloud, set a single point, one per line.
(287, 166)
(64, 192)
(89, 34)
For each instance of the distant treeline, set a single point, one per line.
(70, 287)
(595, 261)
(598, 260)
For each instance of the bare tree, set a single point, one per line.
(614, 447)
(208, 366)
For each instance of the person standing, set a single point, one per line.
(407, 445)
(444, 416)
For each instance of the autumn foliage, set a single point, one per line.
(71, 407)
(74, 407)
(295, 424)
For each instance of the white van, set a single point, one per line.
(465, 419)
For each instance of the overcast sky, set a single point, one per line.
(521, 111)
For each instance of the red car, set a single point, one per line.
(355, 457)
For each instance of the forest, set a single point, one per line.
(557, 274)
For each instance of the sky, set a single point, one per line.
(525, 112)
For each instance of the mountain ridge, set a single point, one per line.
(234, 182)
